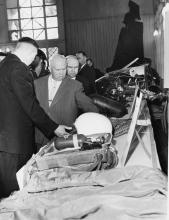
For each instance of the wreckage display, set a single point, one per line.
(80, 176)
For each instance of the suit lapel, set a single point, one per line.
(45, 92)
(81, 70)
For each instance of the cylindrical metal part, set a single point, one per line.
(71, 141)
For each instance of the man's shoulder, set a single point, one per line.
(41, 80)
(13, 67)
(73, 82)
(87, 68)
(13, 61)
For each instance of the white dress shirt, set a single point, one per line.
(53, 87)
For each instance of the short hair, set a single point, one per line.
(41, 54)
(29, 41)
(57, 58)
(82, 52)
(71, 57)
(89, 59)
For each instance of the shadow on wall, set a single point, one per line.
(130, 43)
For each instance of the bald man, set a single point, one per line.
(72, 66)
(60, 96)
(19, 113)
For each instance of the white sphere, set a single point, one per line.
(93, 123)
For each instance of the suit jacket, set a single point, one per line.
(66, 103)
(87, 77)
(19, 109)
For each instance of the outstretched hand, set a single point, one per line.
(61, 130)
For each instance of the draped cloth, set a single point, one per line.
(130, 193)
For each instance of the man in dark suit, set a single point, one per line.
(98, 73)
(86, 74)
(19, 112)
(61, 97)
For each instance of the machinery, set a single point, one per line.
(92, 130)
(89, 149)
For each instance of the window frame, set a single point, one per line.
(45, 43)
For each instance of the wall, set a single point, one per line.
(4, 39)
(3, 23)
(94, 26)
(161, 42)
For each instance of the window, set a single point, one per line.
(37, 19)
(50, 51)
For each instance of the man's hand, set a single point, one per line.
(60, 131)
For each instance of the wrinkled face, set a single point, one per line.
(58, 70)
(72, 67)
(81, 58)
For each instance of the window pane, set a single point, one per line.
(13, 25)
(14, 35)
(37, 12)
(25, 13)
(24, 3)
(26, 24)
(50, 10)
(12, 13)
(11, 3)
(39, 34)
(50, 2)
(28, 33)
(52, 51)
(37, 2)
(38, 23)
(52, 33)
(52, 22)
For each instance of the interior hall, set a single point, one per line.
(84, 90)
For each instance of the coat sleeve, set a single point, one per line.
(23, 88)
(84, 102)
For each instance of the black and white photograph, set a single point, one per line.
(84, 97)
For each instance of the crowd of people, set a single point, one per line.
(38, 104)
(61, 95)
